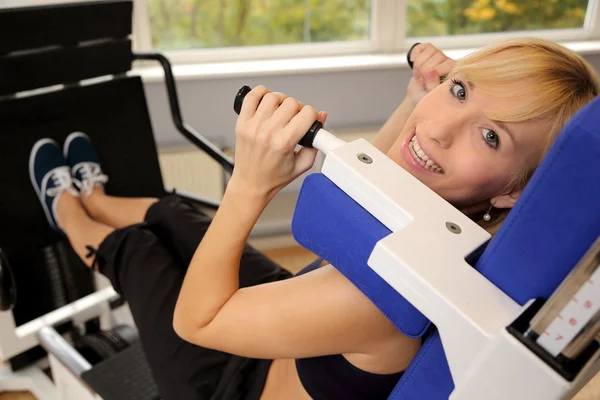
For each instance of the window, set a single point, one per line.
(199, 24)
(229, 30)
(459, 17)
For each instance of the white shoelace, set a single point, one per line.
(91, 175)
(61, 179)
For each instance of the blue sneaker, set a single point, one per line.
(50, 177)
(84, 162)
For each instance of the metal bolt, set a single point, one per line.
(365, 158)
(452, 227)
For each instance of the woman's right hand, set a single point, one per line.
(429, 64)
(269, 127)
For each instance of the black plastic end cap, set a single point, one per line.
(309, 137)
(410, 63)
(239, 98)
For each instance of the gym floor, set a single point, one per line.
(294, 258)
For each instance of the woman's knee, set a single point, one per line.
(126, 250)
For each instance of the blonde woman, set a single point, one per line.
(218, 320)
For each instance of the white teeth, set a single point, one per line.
(422, 158)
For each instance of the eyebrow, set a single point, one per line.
(503, 126)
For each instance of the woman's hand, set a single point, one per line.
(266, 137)
(429, 64)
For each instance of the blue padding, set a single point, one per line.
(333, 226)
(551, 227)
(428, 375)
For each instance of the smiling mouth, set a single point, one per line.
(422, 158)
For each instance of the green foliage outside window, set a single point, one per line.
(184, 24)
(187, 24)
(456, 17)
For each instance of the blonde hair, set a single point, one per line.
(562, 83)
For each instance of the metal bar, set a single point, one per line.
(7, 285)
(56, 345)
(190, 133)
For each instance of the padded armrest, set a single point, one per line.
(336, 228)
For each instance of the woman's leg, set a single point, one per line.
(180, 228)
(117, 212)
(83, 232)
(149, 278)
(140, 268)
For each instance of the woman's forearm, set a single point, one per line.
(391, 129)
(213, 275)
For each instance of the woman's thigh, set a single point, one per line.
(147, 276)
(180, 226)
(146, 264)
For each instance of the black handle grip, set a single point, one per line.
(307, 139)
(410, 63)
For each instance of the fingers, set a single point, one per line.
(269, 104)
(251, 101)
(289, 107)
(430, 63)
(300, 124)
(295, 119)
(284, 119)
(322, 117)
(421, 54)
(444, 68)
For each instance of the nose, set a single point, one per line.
(445, 128)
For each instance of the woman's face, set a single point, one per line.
(450, 145)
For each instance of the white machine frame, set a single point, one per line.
(65, 363)
(424, 259)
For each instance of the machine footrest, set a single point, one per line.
(124, 376)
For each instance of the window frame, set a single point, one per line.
(386, 38)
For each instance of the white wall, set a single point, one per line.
(353, 99)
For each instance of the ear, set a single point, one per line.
(506, 200)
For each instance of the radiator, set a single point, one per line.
(191, 170)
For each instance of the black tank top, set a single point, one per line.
(334, 377)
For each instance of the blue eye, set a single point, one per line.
(457, 89)
(490, 137)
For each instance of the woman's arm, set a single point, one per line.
(318, 313)
(429, 64)
(266, 136)
(315, 314)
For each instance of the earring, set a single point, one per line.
(487, 217)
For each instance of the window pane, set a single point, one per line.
(456, 17)
(187, 24)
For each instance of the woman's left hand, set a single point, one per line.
(266, 137)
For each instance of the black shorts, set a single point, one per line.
(146, 264)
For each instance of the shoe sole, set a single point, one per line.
(68, 141)
(32, 155)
